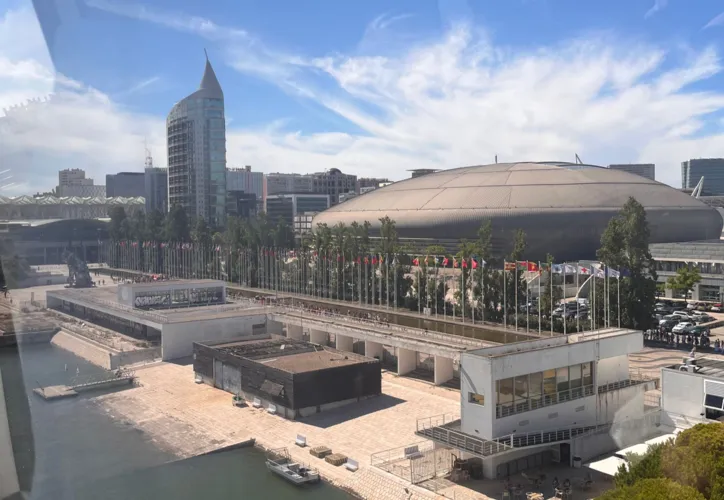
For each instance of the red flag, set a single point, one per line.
(445, 262)
(474, 263)
(367, 260)
(532, 266)
(465, 263)
(415, 261)
(374, 260)
(510, 266)
(455, 262)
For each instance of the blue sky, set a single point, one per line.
(374, 87)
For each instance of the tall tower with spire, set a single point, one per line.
(196, 142)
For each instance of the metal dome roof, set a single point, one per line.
(517, 187)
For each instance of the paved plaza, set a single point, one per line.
(188, 419)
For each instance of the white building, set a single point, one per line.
(692, 392)
(552, 399)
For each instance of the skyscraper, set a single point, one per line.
(711, 169)
(196, 141)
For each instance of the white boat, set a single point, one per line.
(279, 462)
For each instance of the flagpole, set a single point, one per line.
(578, 319)
(540, 276)
(462, 290)
(505, 297)
(618, 291)
(482, 290)
(527, 302)
(515, 292)
(550, 278)
(565, 304)
(394, 269)
(419, 289)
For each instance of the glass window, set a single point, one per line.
(477, 399)
(562, 379)
(575, 375)
(549, 382)
(505, 391)
(521, 387)
(535, 384)
(587, 374)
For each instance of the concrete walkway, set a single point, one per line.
(188, 419)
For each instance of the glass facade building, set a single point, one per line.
(711, 169)
(196, 142)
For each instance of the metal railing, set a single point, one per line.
(629, 382)
(533, 403)
(444, 429)
(553, 436)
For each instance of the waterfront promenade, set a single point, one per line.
(189, 419)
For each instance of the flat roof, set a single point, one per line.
(289, 355)
(105, 299)
(160, 284)
(549, 342)
(710, 367)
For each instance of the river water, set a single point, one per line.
(82, 453)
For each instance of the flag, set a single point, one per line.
(474, 263)
(455, 262)
(532, 266)
(557, 269)
(445, 262)
(522, 264)
(544, 266)
(416, 261)
(367, 260)
(509, 266)
(374, 260)
(570, 269)
(584, 270)
(465, 263)
(613, 273)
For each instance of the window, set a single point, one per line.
(535, 389)
(505, 392)
(587, 374)
(477, 399)
(575, 375)
(562, 382)
(713, 402)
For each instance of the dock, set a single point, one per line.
(54, 392)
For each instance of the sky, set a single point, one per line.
(374, 87)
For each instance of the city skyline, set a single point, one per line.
(426, 85)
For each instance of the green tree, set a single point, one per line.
(177, 225)
(641, 467)
(653, 489)
(697, 459)
(154, 225)
(684, 279)
(625, 247)
(116, 228)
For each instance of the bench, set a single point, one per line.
(301, 441)
(412, 452)
(271, 409)
(256, 403)
(351, 465)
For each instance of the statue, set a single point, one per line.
(78, 274)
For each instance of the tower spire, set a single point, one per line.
(206, 54)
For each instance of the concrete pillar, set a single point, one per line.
(274, 327)
(294, 332)
(374, 349)
(344, 343)
(443, 369)
(318, 337)
(406, 361)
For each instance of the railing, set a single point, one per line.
(382, 458)
(505, 410)
(554, 436)
(442, 429)
(629, 382)
(440, 337)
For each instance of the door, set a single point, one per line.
(565, 453)
(231, 379)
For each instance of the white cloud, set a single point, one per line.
(715, 21)
(454, 101)
(658, 6)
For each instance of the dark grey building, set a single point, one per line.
(156, 189)
(712, 169)
(126, 184)
(241, 204)
(286, 206)
(647, 170)
(563, 208)
(706, 256)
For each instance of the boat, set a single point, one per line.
(279, 462)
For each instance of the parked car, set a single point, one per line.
(668, 324)
(702, 318)
(670, 318)
(697, 330)
(682, 326)
(692, 305)
(683, 314)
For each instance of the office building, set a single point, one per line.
(555, 399)
(243, 179)
(332, 182)
(156, 188)
(196, 142)
(126, 184)
(370, 182)
(286, 206)
(419, 172)
(705, 256)
(647, 170)
(288, 183)
(73, 182)
(711, 169)
(241, 204)
(303, 223)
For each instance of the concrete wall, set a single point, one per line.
(138, 356)
(177, 338)
(682, 393)
(612, 370)
(621, 405)
(475, 377)
(84, 348)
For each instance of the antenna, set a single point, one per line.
(578, 159)
(496, 158)
(149, 158)
(206, 54)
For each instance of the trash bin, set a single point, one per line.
(577, 462)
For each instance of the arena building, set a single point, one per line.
(562, 207)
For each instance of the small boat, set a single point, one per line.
(279, 462)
